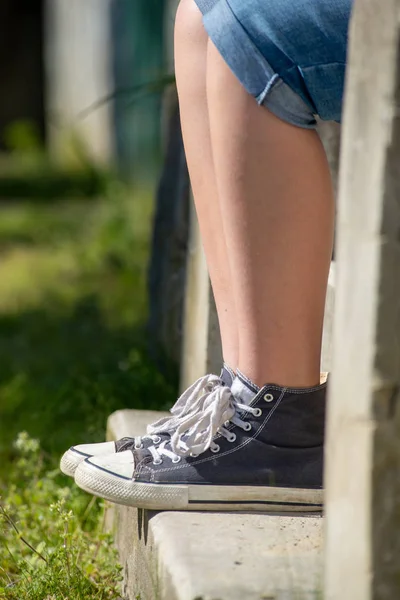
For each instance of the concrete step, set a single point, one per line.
(213, 556)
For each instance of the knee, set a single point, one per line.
(189, 28)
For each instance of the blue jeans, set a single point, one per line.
(289, 54)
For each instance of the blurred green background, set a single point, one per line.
(78, 173)
(73, 310)
(82, 142)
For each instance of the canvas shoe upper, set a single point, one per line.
(191, 401)
(254, 451)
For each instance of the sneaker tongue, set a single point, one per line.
(243, 390)
(123, 444)
(226, 376)
(139, 454)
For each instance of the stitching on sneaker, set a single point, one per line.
(141, 468)
(296, 390)
(251, 385)
(246, 441)
(264, 389)
(261, 392)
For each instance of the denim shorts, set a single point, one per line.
(289, 54)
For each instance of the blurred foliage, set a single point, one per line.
(73, 349)
(27, 172)
(72, 312)
(23, 136)
(49, 183)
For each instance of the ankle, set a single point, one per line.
(295, 378)
(229, 369)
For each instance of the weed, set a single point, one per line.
(52, 544)
(73, 349)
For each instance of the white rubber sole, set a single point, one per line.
(70, 462)
(152, 496)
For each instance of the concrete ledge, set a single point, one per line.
(213, 556)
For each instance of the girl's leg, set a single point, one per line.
(191, 67)
(277, 208)
(271, 183)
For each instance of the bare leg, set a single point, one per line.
(278, 211)
(191, 67)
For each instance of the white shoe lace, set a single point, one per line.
(191, 402)
(196, 432)
(139, 440)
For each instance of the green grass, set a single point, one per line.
(52, 542)
(72, 350)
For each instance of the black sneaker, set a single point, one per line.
(190, 401)
(263, 451)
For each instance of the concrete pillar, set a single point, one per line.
(79, 73)
(170, 12)
(363, 445)
(201, 342)
(330, 135)
(327, 341)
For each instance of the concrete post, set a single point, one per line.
(79, 73)
(330, 136)
(363, 445)
(170, 12)
(201, 342)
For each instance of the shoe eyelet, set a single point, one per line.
(193, 455)
(139, 447)
(247, 426)
(157, 462)
(215, 448)
(232, 438)
(156, 439)
(177, 460)
(257, 412)
(268, 397)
